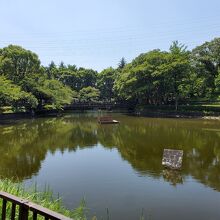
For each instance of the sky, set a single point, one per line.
(98, 33)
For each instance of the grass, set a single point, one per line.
(44, 199)
(212, 105)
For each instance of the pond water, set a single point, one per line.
(118, 167)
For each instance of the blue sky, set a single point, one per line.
(97, 33)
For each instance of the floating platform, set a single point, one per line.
(107, 120)
(172, 159)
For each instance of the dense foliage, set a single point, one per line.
(156, 77)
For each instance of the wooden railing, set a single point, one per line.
(26, 209)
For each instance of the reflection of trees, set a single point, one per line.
(173, 176)
(201, 147)
(140, 141)
(24, 146)
(18, 157)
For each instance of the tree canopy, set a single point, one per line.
(155, 77)
(24, 83)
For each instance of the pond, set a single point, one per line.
(117, 168)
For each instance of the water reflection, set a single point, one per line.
(140, 141)
(173, 176)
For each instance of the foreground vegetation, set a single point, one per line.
(156, 78)
(44, 199)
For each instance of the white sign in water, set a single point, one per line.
(172, 158)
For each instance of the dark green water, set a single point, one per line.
(118, 166)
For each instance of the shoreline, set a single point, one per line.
(178, 115)
(211, 118)
(144, 113)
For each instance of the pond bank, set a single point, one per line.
(45, 199)
(154, 113)
(177, 114)
(211, 117)
(24, 115)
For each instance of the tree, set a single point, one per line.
(70, 78)
(11, 94)
(58, 95)
(49, 91)
(105, 83)
(62, 66)
(89, 94)
(156, 77)
(122, 63)
(178, 69)
(142, 80)
(52, 71)
(206, 62)
(72, 68)
(217, 85)
(87, 78)
(77, 79)
(16, 63)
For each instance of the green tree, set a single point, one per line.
(49, 91)
(122, 63)
(87, 77)
(62, 65)
(156, 77)
(11, 94)
(52, 71)
(89, 94)
(142, 80)
(58, 94)
(77, 78)
(178, 70)
(206, 62)
(105, 83)
(70, 78)
(16, 63)
(217, 85)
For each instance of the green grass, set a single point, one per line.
(44, 199)
(212, 105)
